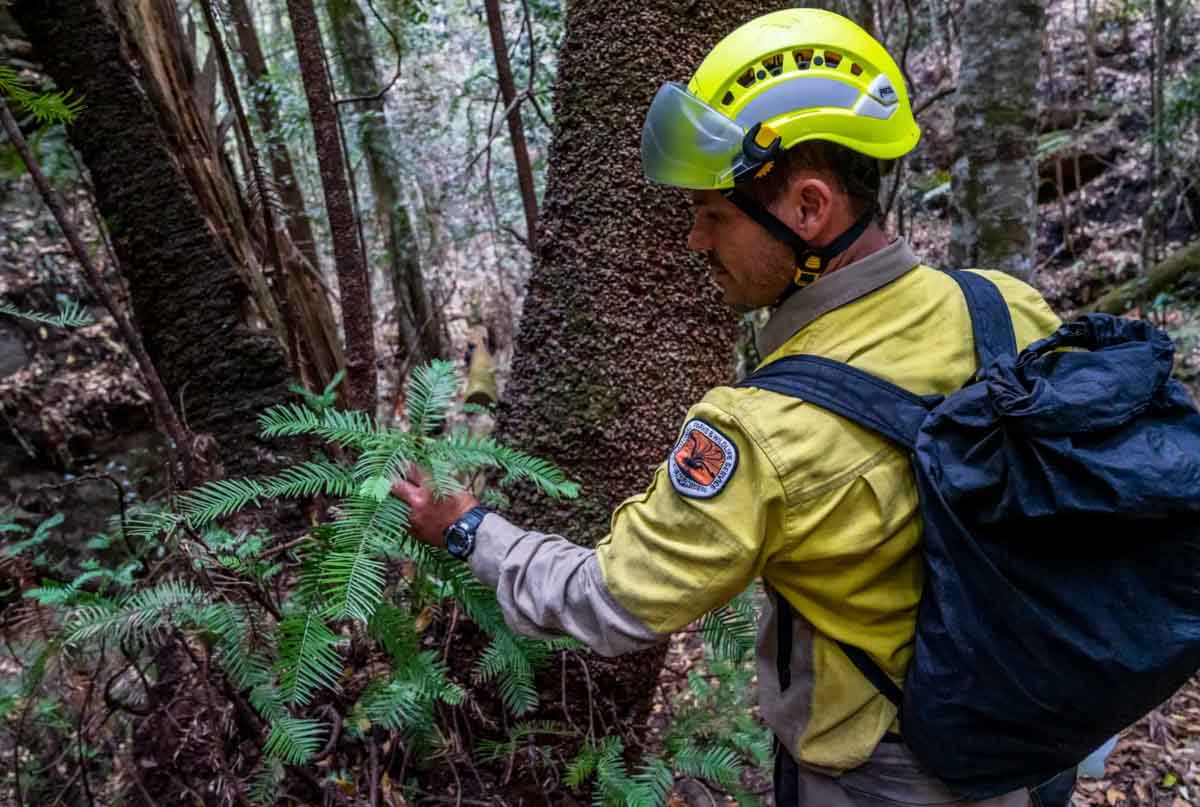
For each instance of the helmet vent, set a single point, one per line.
(803, 58)
(746, 79)
(856, 69)
(774, 64)
(728, 99)
(833, 59)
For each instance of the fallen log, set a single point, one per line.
(1162, 275)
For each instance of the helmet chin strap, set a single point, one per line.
(811, 262)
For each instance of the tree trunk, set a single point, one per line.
(994, 178)
(265, 105)
(209, 322)
(311, 324)
(358, 316)
(419, 320)
(620, 331)
(516, 128)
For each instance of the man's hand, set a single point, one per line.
(429, 516)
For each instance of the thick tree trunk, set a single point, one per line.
(419, 320)
(208, 321)
(358, 316)
(994, 178)
(621, 331)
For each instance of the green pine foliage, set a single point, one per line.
(70, 314)
(731, 630)
(341, 579)
(46, 107)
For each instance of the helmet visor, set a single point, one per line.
(687, 143)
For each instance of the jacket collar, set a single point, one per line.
(835, 290)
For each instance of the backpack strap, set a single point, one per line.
(860, 397)
(872, 403)
(990, 317)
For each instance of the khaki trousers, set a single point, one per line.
(892, 777)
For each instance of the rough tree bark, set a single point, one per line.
(207, 318)
(621, 330)
(418, 319)
(354, 283)
(994, 177)
(516, 128)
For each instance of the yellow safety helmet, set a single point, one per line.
(778, 80)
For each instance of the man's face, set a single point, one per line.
(751, 268)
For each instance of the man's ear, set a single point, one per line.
(810, 205)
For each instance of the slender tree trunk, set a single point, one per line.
(206, 317)
(994, 190)
(516, 129)
(358, 315)
(419, 319)
(312, 325)
(265, 105)
(620, 333)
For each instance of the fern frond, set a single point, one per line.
(352, 576)
(715, 763)
(308, 658)
(580, 769)
(548, 478)
(293, 740)
(266, 699)
(70, 315)
(310, 478)
(40, 534)
(431, 389)
(146, 525)
(352, 429)
(218, 499)
(288, 420)
(46, 107)
(246, 666)
(136, 615)
(650, 785)
(265, 788)
(394, 629)
(731, 631)
(387, 458)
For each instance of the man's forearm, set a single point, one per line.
(548, 586)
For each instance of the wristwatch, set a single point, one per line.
(460, 536)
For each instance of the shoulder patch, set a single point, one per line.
(702, 461)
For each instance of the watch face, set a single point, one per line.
(458, 542)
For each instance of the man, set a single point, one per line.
(780, 136)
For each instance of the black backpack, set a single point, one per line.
(1060, 493)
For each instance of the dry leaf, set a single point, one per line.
(424, 620)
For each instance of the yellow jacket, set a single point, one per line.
(764, 485)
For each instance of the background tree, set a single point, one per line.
(622, 330)
(354, 283)
(994, 207)
(209, 322)
(418, 316)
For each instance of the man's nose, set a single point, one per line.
(699, 239)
